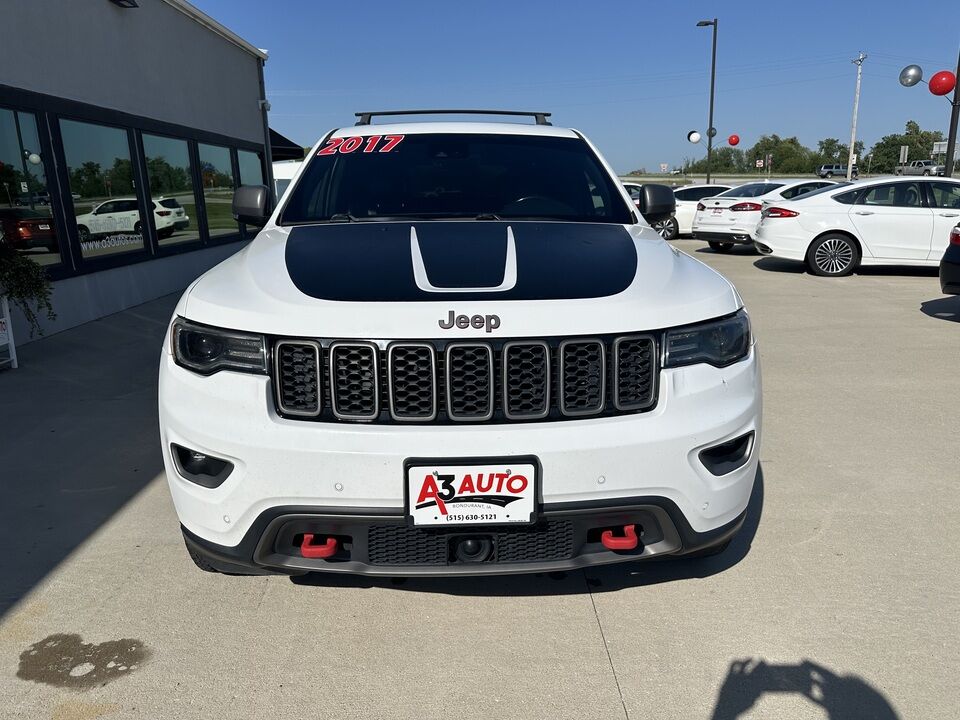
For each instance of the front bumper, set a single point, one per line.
(373, 542)
(331, 468)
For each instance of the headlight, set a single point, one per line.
(206, 349)
(718, 342)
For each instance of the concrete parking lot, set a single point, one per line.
(840, 598)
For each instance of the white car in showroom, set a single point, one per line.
(457, 348)
(122, 215)
(884, 221)
(731, 218)
(688, 197)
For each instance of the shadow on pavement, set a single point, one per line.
(772, 264)
(945, 308)
(841, 697)
(735, 250)
(79, 438)
(602, 578)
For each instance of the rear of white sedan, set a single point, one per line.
(731, 218)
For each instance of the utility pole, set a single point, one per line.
(711, 130)
(952, 136)
(856, 106)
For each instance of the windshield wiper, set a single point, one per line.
(487, 216)
(342, 217)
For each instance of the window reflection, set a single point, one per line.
(216, 172)
(102, 188)
(26, 221)
(171, 189)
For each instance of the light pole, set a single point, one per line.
(940, 84)
(856, 106)
(711, 130)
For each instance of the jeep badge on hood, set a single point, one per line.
(490, 322)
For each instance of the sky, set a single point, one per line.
(634, 77)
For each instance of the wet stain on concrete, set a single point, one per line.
(66, 661)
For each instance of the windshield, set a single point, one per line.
(438, 175)
(751, 190)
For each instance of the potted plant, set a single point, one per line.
(25, 284)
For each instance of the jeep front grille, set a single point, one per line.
(465, 381)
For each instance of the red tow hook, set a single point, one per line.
(328, 549)
(627, 542)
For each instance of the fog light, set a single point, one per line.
(727, 457)
(200, 468)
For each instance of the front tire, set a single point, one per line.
(829, 174)
(720, 247)
(833, 256)
(84, 233)
(669, 229)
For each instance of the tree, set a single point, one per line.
(831, 151)
(724, 160)
(790, 156)
(886, 153)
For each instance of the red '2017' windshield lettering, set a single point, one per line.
(347, 145)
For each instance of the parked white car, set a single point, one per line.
(122, 215)
(687, 197)
(875, 222)
(731, 218)
(416, 372)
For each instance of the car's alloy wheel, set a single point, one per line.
(84, 233)
(668, 228)
(833, 255)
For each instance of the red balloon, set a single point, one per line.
(943, 82)
(734, 139)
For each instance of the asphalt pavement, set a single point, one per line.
(840, 598)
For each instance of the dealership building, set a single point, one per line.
(125, 127)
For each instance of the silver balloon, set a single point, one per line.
(693, 136)
(911, 75)
(33, 159)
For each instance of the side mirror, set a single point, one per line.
(251, 205)
(656, 202)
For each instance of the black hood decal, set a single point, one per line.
(373, 262)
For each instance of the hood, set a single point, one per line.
(402, 280)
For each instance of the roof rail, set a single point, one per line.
(365, 117)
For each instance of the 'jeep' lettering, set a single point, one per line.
(489, 323)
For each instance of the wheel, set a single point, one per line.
(829, 174)
(668, 229)
(926, 172)
(833, 256)
(723, 247)
(84, 233)
(898, 171)
(138, 228)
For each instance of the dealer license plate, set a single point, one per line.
(461, 493)
(43, 227)
(718, 211)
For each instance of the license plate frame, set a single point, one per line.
(528, 505)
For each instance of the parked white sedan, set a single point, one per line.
(687, 197)
(731, 218)
(884, 221)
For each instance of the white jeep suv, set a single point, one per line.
(457, 348)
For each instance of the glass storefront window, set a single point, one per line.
(171, 189)
(102, 188)
(251, 169)
(26, 220)
(216, 171)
